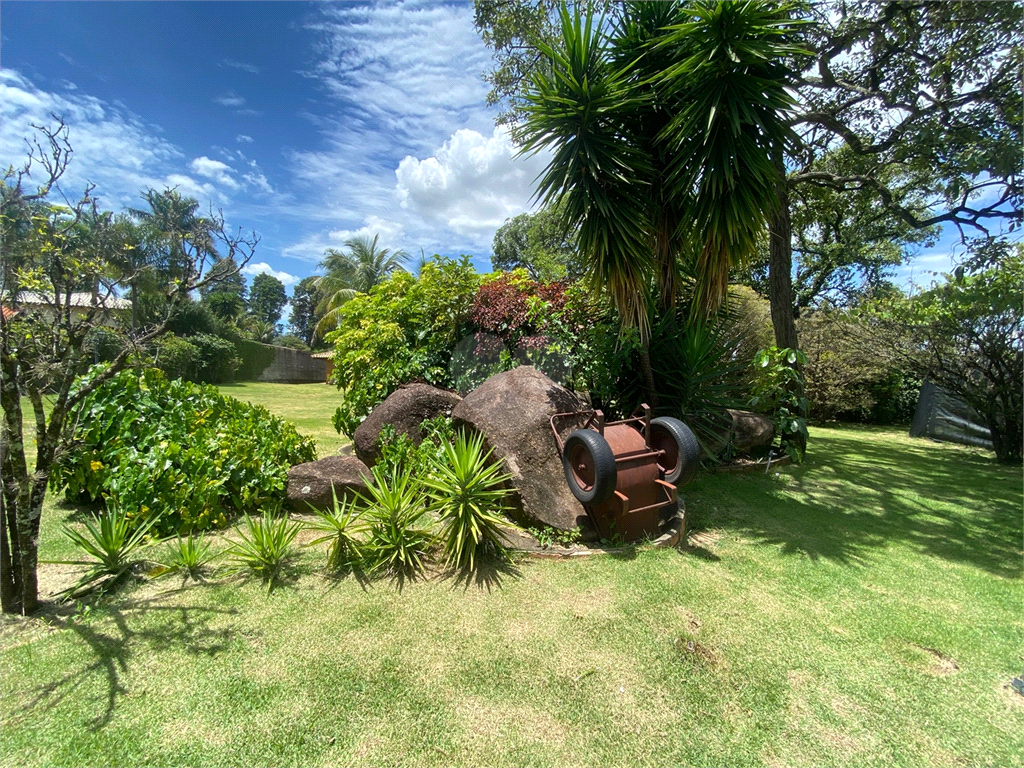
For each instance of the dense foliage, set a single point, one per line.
(202, 358)
(405, 328)
(152, 447)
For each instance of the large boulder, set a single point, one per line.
(512, 410)
(404, 409)
(310, 483)
(751, 430)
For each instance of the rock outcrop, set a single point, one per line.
(404, 409)
(310, 483)
(512, 410)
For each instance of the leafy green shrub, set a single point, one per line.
(398, 451)
(265, 548)
(176, 357)
(187, 555)
(202, 358)
(179, 452)
(405, 328)
(344, 530)
(111, 544)
(778, 391)
(400, 534)
(217, 360)
(467, 493)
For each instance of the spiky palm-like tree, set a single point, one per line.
(664, 129)
(355, 270)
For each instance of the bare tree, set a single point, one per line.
(60, 282)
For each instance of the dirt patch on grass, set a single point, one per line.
(941, 664)
(693, 651)
(691, 623)
(594, 603)
(486, 721)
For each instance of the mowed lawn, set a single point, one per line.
(309, 407)
(862, 609)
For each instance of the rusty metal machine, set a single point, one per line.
(625, 472)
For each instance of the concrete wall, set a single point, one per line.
(291, 366)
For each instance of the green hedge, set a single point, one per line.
(256, 358)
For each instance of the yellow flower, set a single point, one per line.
(96, 466)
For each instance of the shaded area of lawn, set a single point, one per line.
(785, 635)
(863, 488)
(309, 407)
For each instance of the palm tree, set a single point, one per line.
(355, 270)
(663, 129)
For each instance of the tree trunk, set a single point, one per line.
(780, 269)
(650, 393)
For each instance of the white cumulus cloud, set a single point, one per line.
(265, 269)
(214, 169)
(471, 184)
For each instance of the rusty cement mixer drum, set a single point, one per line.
(625, 472)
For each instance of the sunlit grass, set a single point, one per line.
(863, 609)
(308, 406)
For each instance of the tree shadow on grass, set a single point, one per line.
(135, 634)
(854, 496)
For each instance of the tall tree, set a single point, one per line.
(303, 315)
(929, 89)
(540, 243)
(354, 270)
(664, 136)
(267, 298)
(44, 343)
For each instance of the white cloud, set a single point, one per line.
(406, 69)
(250, 68)
(214, 169)
(113, 148)
(230, 99)
(243, 139)
(470, 185)
(264, 268)
(390, 232)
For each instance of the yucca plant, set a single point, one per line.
(265, 546)
(400, 535)
(112, 544)
(343, 528)
(187, 555)
(467, 494)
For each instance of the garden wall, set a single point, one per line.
(262, 362)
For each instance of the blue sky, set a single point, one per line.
(307, 122)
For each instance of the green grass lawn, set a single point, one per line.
(309, 406)
(862, 609)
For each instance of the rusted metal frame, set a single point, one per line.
(670, 493)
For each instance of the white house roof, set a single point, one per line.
(83, 299)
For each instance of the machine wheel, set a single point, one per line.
(589, 466)
(682, 451)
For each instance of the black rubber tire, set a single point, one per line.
(665, 429)
(591, 445)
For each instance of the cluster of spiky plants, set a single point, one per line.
(112, 544)
(400, 530)
(265, 546)
(467, 493)
(453, 501)
(344, 529)
(187, 555)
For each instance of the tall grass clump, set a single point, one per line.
(187, 555)
(400, 534)
(265, 547)
(467, 493)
